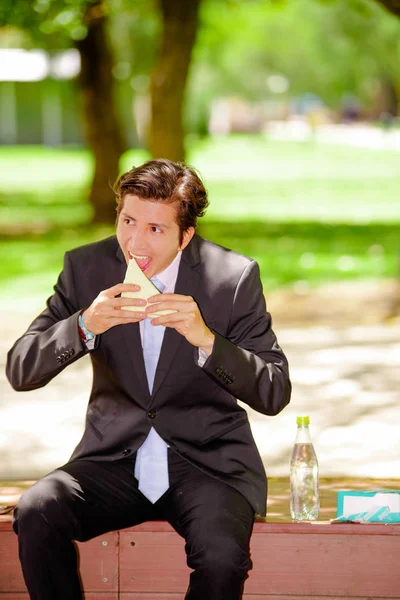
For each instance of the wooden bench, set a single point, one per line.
(291, 561)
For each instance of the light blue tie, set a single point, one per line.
(151, 468)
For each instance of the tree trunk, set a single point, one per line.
(168, 82)
(386, 101)
(392, 5)
(102, 129)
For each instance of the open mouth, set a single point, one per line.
(142, 261)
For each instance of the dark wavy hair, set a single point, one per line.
(162, 180)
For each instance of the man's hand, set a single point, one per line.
(187, 319)
(106, 310)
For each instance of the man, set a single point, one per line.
(164, 437)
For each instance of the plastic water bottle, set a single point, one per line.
(304, 485)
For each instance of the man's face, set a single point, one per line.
(147, 231)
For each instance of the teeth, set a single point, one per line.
(136, 256)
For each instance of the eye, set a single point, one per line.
(128, 221)
(155, 229)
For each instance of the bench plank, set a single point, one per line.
(87, 596)
(98, 564)
(10, 571)
(291, 561)
(98, 560)
(316, 565)
(153, 562)
(141, 596)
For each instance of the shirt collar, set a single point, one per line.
(169, 275)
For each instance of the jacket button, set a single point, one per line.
(151, 414)
(126, 452)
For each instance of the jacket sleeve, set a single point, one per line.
(51, 342)
(248, 362)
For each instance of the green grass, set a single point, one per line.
(247, 177)
(286, 252)
(304, 211)
(302, 181)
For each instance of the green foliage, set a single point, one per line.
(134, 29)
(310, 251)
(54, 24)
(391, 5)
(287, 252)
(327, 47)
(305, 212)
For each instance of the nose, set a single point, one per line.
(138, 241)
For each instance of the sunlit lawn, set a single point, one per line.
(305, 211)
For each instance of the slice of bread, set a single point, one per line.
(135, 275)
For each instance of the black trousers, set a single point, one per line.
(84, 499)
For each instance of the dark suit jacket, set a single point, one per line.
(194, 409)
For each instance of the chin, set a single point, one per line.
(149, 273)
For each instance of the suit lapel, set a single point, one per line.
(133, 342)
(186, 284)
(134, 347)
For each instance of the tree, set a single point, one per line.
(103, 131)
(391, 5)
(319, 46)
(168, 81)
(83, 24)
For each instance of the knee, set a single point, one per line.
(220, 555)
(27, 516)
(39, 510)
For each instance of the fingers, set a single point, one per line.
(185, 310)
(101, 323)
(119, 288)
(126, 314)
(167, 297)
(117, 302)
(103, 314)
(174, 320)
(185, 317)
(115, 308)
(123, 320)
(188, 305)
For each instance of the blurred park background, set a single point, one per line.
(290, 112)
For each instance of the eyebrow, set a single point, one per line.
(124, 214)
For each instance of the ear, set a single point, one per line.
(187, 236)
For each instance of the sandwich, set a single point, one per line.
(135, 275)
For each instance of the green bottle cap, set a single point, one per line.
(303, 420)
